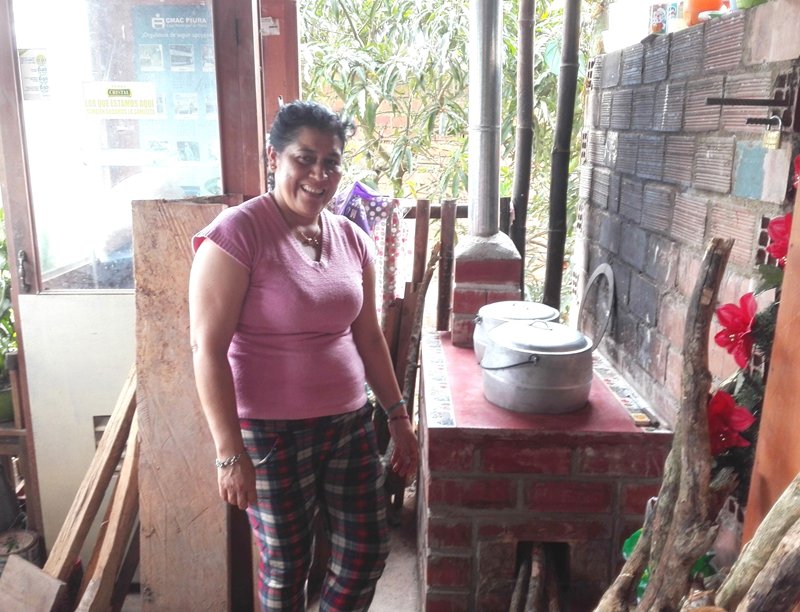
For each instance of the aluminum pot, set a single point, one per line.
(492, 315)
(537, 367)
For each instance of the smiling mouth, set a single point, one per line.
(316, 192)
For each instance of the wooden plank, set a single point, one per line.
(447, 238)
(124, 508)
(421, 231)
(25, 587)
(777, 458)
(404, 333)
(461, 210)
(90, 494)
(391, 325)
(184, 534)
(126, 573)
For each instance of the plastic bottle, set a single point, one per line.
(693, 8)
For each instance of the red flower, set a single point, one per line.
(779, 230)
(726, 421)
(737, 324)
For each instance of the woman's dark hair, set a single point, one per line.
(302, 113)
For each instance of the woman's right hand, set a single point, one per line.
(237, 483)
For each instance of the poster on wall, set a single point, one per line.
(174, 46)
(33, 74)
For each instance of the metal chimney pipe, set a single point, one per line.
(485, 63)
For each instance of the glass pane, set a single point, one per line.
(119, 103)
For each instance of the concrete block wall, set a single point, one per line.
(663, 172)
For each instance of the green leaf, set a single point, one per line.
(771, 277)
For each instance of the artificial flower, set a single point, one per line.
(779, 230)
(796, 181)
(726, 421)
(736, 335)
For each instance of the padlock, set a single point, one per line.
(772, 138)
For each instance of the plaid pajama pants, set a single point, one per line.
(329, 465)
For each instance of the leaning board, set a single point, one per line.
(184, 527)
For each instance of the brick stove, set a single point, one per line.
(491, 478)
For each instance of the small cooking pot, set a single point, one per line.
(492, 315)
(537, 367)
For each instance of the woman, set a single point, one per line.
(284, 334)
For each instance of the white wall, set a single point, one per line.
(79, 349)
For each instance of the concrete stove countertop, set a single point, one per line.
(453, 383)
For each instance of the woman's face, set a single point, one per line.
(307, 171)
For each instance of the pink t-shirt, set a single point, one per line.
(293, 354)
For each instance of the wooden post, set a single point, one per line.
(686, 532)
(421, 231)
(448, 239)
(688, 501)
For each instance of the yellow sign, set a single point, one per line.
(120, 100)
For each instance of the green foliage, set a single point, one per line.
(764, 327)
(400, 69)
(8, 334)
(702, 567)
(771, 277)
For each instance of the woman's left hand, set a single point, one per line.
(405, 457)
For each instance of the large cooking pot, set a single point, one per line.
(545, 367)
(492, 315)
(537, 367)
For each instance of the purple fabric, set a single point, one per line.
(362, 205)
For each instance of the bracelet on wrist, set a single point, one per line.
(228, 461)
(395, 406)
(399, 417)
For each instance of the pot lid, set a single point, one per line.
(511, 310)
(538, 337)
(597, 303)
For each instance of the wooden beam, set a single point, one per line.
(126, 573)
(461, 210)
(280, 53)
(124, 508)
(90, 494)
(239, 97)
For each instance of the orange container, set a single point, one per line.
(693, 8)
